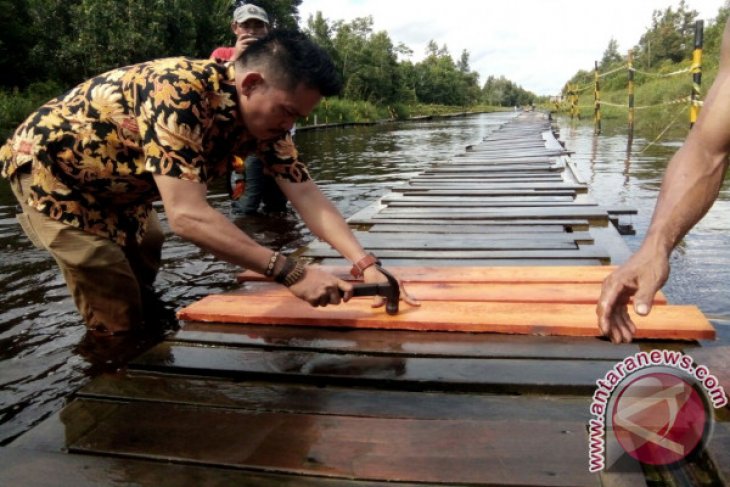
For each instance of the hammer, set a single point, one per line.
(390, 291)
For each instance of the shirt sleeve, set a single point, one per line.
(172, 124)
(281, 160)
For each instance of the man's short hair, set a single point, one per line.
(291, 58)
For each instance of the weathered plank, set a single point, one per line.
(381, 371)
(41, 469)
(582, 252)
(476, 452)
(331, 400)
(408, 343)
(670, 322)
(536, 230)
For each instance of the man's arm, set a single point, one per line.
(326, 222)
(192, 218)
(690, 186)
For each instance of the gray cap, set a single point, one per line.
(246, 12)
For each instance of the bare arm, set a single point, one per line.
(192, 218)
(326, 222)
(690, 186)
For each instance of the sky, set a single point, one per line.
(538, 44)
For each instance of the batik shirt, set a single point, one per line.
(95, 149)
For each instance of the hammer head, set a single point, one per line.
(390, 291)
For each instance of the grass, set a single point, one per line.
(653, 93)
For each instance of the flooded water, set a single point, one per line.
(44, 355)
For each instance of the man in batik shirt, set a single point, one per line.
(87, 166)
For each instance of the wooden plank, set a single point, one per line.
(425, 202)
(331, 400)
(546, 274)
(536, 230)
(582, 252)
(477, 199)
(590, 212)
(670, 322)
(392, 372)
(536, 185)
(409, 262)
(459, 240)
(41, 469)
(475, 452)
(408, 343)
(586, 293)
(399, 242)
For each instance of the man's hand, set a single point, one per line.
(642, 276)
(242, 43)
(371, 274)
(320, 288)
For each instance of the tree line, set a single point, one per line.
(666, 44)
(55, 44)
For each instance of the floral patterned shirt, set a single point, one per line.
(93, 151)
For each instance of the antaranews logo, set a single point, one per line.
(655, 406)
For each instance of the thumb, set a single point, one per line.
(643, 302)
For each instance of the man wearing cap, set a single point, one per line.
(250, 185)
(87, 166)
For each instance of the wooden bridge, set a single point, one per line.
(502, 238)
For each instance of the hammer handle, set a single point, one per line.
(366, 289)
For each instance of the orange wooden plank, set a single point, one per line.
(586, 293)
(477, 274)
(673, 322)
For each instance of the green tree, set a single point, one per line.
(670, 37)
(611, 55)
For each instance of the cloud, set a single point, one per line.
(538, 44)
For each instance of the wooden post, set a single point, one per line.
(631, 91)
(597, 103)
(694, 108)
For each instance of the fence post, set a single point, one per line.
(631, 91)
(694, 108)
(597, 103)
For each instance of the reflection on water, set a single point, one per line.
(700, 262)
(44, 355)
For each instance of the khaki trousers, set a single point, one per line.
(107, 281)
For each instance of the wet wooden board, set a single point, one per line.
(405, 343)
(585, 293)
(543, 254)
(494, 229)
(469, 262)
(349, 448)
(330, 400)
(668, 322)
(425, 202)
(393, 372)
(21, 467)
(508, 213)
(466, 186)
(559, 241)
(501, 198)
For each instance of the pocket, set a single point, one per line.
(28, 230)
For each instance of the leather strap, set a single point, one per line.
(362, 264)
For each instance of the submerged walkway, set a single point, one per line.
(222, 404)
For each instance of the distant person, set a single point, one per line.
(691, 184)
(250, 185)
(87, 166)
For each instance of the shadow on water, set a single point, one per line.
(45, 355)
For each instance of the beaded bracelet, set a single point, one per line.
(272, 263)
